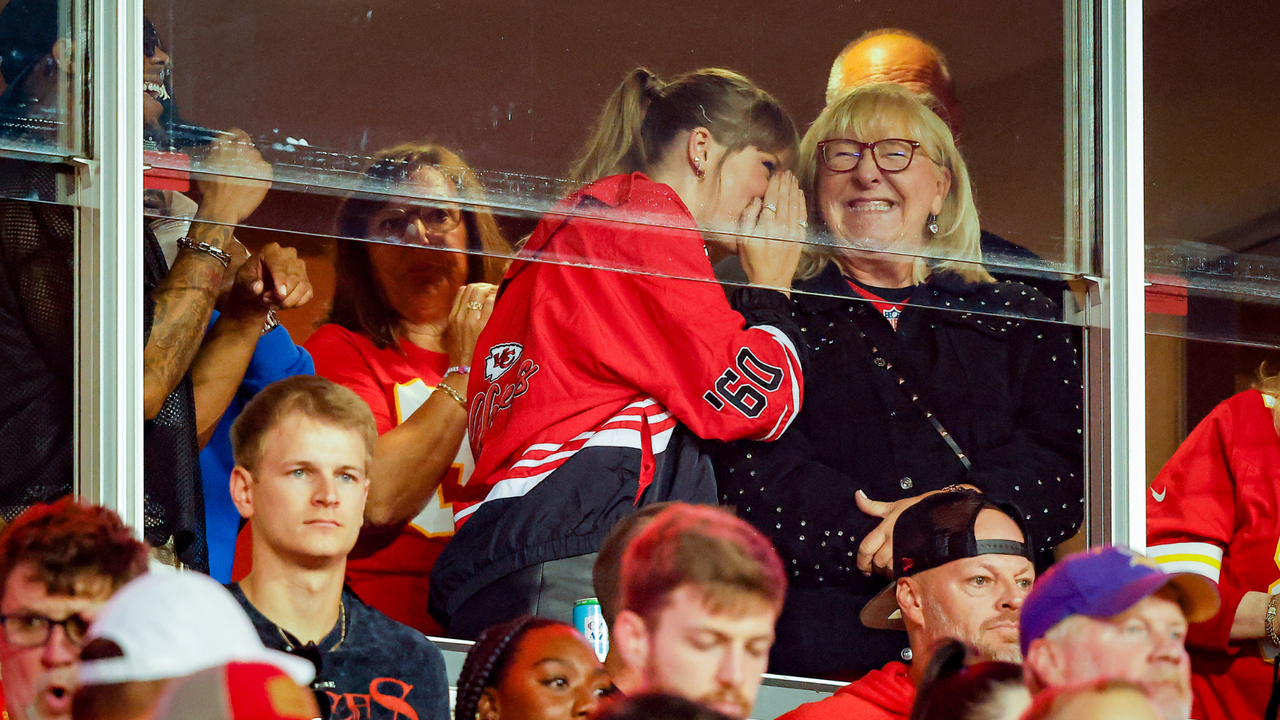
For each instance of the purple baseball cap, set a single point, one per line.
(1106, 581)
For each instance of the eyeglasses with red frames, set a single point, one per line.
(891, 155)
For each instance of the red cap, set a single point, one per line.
(238, 691)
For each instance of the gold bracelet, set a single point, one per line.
(1270, 622)
(452, 393)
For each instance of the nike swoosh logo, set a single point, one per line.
(1159, 496)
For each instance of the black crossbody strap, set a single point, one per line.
(903, 385)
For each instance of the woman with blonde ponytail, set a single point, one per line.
(1214, 509)
(611, 350)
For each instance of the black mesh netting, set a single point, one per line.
(175, 500)
(37, 368)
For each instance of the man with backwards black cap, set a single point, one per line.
(963, 569)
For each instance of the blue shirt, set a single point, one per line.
(275, 358)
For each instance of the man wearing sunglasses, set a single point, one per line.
(58, 565)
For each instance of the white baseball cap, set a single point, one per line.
(174, 624)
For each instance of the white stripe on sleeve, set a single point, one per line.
(1195, 557)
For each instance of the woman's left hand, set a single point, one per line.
(471, 309)
(875, 554)
(773, 231)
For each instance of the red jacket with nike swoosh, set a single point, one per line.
(609, 338)
(1214, 509)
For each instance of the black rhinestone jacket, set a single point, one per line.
(1003, 381)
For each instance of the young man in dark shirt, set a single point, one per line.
(302, 449)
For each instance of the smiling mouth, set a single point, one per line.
(869, 205)
(155, 90)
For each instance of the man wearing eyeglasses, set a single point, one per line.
(59, 564)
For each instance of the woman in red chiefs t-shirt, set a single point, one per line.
(408, 305)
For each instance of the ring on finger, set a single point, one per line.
(772, 208)
(475, 306)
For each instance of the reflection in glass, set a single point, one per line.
(36, 58)
(517, 104)
(1216, 235)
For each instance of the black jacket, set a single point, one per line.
(1002, 381)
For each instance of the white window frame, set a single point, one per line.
(109, 265)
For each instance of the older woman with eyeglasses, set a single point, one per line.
(923, 373)
(413, 289)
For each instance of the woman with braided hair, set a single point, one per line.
(530, 668)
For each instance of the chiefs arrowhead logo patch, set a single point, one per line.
(500, 359)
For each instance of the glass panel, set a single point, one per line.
(42, 74)
(1213, 198)
(1213, 322)
(514, 89)
(517, 103)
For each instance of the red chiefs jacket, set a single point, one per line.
(609, 335)
(1214, 509)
